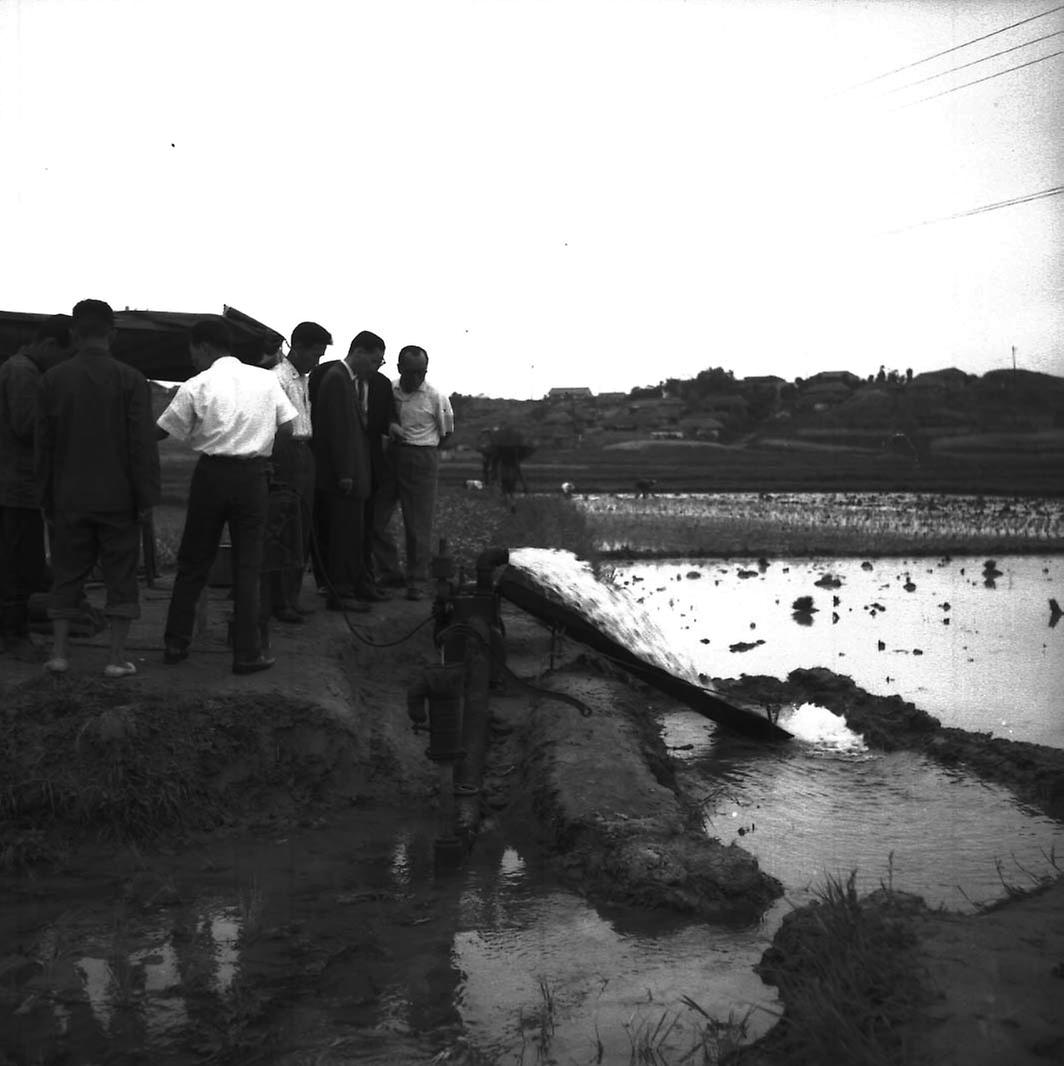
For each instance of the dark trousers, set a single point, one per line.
(223, 492)
(293, 483)
(341, 533)
(81, 540)
(21, 566)
(413, 485)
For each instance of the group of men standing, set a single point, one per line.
(305, 461)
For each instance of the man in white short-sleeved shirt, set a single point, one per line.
(426, 422)
(230, 413)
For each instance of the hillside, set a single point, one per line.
(943, 431)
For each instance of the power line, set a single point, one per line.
(1042, 194)
(955, 48)
(974, 62)
(967, 84)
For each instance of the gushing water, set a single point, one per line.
(615, 611)
(821, 729)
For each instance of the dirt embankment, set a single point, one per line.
(604, 795)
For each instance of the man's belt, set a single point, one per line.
(236, 458)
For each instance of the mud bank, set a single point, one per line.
(911, 983)
(882, 978)
(608, 807)
(1034, 772)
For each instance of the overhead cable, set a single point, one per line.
(955, 48)
(967, 84)
(974, 62)
(1042, 194)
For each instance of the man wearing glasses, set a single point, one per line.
(425, 423)
(341, 442)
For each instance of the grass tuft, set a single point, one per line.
(78, 755)
(845, 972)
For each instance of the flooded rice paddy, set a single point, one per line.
(973, 646)
(302, 947)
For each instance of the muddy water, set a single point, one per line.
(301, 946)
(823, 804)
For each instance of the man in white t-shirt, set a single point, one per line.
(230, 413)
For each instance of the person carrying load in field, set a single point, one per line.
(504, 451)
(98, 471)
(230, 413)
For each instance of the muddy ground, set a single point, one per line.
(319, 752)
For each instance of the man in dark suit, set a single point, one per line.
(380, 414)
(341, 443)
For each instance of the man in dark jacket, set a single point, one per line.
(21, 527)
(381, 413)
(98, 471)
(344, 470)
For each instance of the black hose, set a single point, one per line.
(464, 629)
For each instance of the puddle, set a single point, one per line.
(274, 949)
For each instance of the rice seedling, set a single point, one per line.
(746, 523)
(648, 1041)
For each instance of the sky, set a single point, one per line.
(551, 193)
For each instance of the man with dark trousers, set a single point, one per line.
(230, 413)
(292, 484)
(424, 426)
(22, 568)
(98, 468)
(344, 471)
(381, 413)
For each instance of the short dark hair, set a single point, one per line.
(92, 318)
(54, 328)
(414, 350)
(366, 342)
(308, 333)
(213, 332)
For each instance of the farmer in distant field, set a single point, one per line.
(230, 413)
(22, 566)
(98, 470)
(292, 483)
(510, 473)
(424, 425)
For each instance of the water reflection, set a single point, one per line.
(979, 658)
